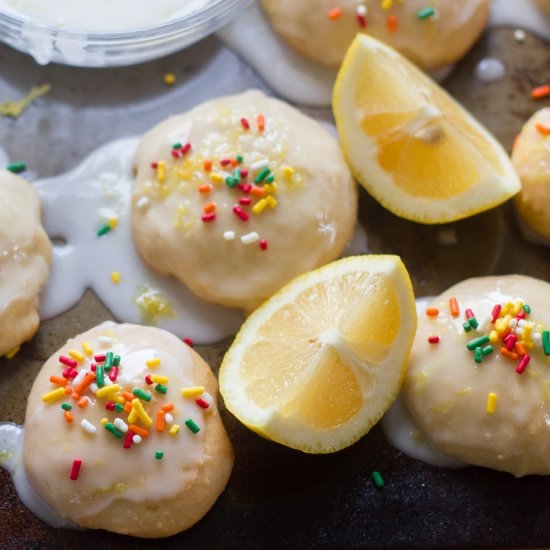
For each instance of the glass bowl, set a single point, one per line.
(114, 49)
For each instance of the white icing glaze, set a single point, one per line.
(490, 69)
(300, 80)
(101, 15)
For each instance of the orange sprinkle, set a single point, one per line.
(544, 130)
(69, 416)
(509, 354)
(76, 396)
(392, 23)
(161, 421)
(207, 166)
(128, 396)
(234, 162)
(334, 13)
(138, 430)
(205, 188)
(540, 92)
(261, 123)
(167, 407)
(453, 306)
(127, 407)
(83, 386)
(59, 380)
(68, 390)
(432, 312)
(520, 349)
(210, 207)
(83, 403)
(257, 191)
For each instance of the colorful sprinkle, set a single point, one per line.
(377, 479)
(159, 455)
(75, 469)
(491, 403)
(192, 426)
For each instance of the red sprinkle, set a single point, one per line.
(67, 361)
(245, 201)
(208, 217)
(245, 124)
(99, 358)
(175, 153)
(510, 341)
(246, 188)
(523, 364)
(244, 173)
(433, 339)
(202, 403)
(241, 213)
(188, 341)
(110, 406)
(186, 148)
(469, 314)
(154, 165)
(67, 372)
(263, 244)
(496, 312)
(128, 440)
(73, 373)
(113, 374)
(75, 470)
(361, 20)
(148, 379)
(225, 162)
(521, 315)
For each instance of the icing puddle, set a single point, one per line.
(302, 81)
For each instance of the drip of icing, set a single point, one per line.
(76, 205)
(490, 69)
(405, 435)
(11, 460)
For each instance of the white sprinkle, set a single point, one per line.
(136, 439)
(169, 418)
(513, 323)
(105, 341)
(259, 164)
(522, 323)
(229, 235)
(121, 425)
(143, 202)
(519, 35)
(537, 338)
(362, 10)
(519, 331)
(93, 387)
(79, 377)
(88, 426)
(250, 238)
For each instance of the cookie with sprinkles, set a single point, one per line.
(122, 432)
(240, 195)
(478, 380)
(25, 256)
(431, 34)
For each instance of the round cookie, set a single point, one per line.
(240, 195)
(25, 256)
(488, 408)
(531, 159)
(153, 488)
(322, 30)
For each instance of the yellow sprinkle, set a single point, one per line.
(174, 429)
(107, 390)
(271, 201)
(518, 306)
(527, 332)
(493, 337)
(88, 350)
(506, 308)
(259, 206)
(502, 324)
(118, 399)
(16, 108)
(12, 353)
(115, 277)
(137, 406)
(54, 395)
(169, 79)
(386, 4)
(159, 379)
(271, 188)
(192, 392)
(491, 403)
(76, 355)
(288, 171)
(161, 171)
(216, 178)
(153, 363)
(113, 223)
(104, 421)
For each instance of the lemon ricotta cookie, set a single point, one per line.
(240, 195)
(531, 158)
(122, 432)
(431, 34)
(25, 256)
(478, 381)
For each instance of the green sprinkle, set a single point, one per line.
(467, 327)
(262, 175)
(66, 406)
(478, 355)
(271, 179)
(192, 426)
(116, 360)
(237, 174)
(377, 479)
(104, 230)
(527, 308)
(144, 395)
(159, 455)
(546, 342)
(109, 356)
(177, 145)
(114, 430)
(118, 407)
(100, 376)
(230, 181)
(239, 159)
(425, 13)
(473, 322)
(487, 350)
(16, 167)
(477, 342)
(161, 389)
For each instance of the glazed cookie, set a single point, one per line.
(240, 195)
(431, 37)
(25, 256)
(122, 432)
(478, 381)
(531, 159)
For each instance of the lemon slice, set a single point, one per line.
(318, 364)
(410, 144)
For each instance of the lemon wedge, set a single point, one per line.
(318, 364)
(410, 144)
